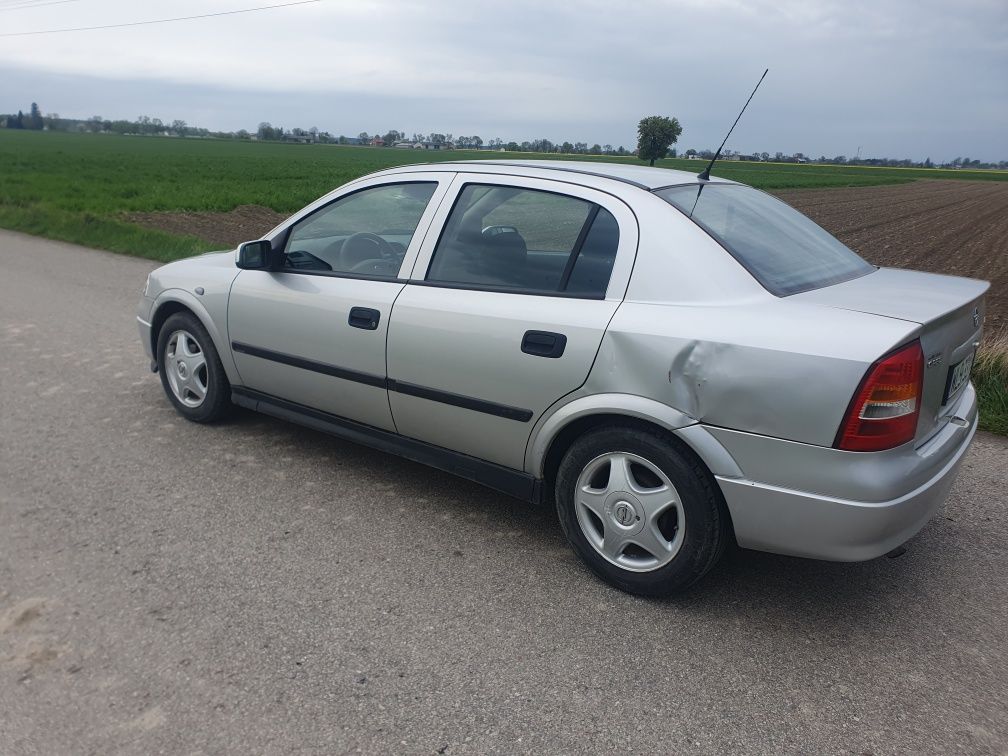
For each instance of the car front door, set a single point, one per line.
(313, 331)
(505, 310)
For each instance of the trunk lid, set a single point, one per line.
(949, 310)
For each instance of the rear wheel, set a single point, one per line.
(191, 371)
(640, 510)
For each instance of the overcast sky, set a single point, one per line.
(900, 78)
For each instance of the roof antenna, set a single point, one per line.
(705, 175)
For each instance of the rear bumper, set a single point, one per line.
(799, 523)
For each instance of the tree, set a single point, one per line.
(655, 134)
(35, 119)
(363, 138)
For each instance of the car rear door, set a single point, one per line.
(313, 332)
(505, 310)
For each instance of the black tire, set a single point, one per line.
(706, 527)
(217, 399)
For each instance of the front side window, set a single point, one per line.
(782, 249)
(509, 238)
(365, 233)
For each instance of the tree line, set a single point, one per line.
(656, 137)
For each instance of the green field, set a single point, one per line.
(76, 187)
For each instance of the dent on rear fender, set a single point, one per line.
(689, 372)
(674, 372)
(752, 388)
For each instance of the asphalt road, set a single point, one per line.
(253, 587)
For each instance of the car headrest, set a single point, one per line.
(506, 247)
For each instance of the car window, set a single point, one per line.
(593, 266)
(505, 237)
(784, 250)
(365, 233)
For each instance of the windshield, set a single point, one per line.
(783, 250)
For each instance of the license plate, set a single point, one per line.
(958, 376)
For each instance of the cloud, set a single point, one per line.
(900, 78)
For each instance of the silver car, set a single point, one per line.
(677, 364)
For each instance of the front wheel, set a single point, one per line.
(640, 510)
(191, 371)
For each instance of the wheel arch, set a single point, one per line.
(172, 301)
(556, 434)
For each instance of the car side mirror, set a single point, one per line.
(255, 255)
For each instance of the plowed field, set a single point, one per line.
(956, 227)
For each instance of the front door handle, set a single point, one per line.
(544, 344)
(364, 317)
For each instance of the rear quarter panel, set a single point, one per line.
(772, 367)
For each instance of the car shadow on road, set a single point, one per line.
(773, 586)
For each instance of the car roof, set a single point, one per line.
(641, 176)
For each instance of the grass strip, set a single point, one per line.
(990, 378)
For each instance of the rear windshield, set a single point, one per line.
(783, 250)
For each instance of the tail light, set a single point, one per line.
(885, 408)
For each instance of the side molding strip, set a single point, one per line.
(402, 387)
(515, 483)
(457, 400)
(316, 367)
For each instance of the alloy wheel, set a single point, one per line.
(629, 511)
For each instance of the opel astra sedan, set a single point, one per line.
(676, 364)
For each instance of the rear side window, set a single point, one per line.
(783, 249)
(526, 240)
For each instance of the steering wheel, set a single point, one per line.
(385, 250)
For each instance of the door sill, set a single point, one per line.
(512, 482)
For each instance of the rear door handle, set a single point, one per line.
(364, 317)
(544, 343)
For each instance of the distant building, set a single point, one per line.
(377, 141)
